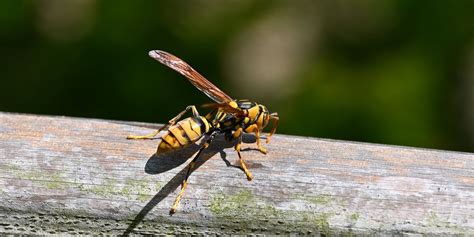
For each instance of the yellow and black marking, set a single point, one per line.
(230, 117)
(252, 118)
(185, 132)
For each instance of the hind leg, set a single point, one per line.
(184, 185)
(170, 123)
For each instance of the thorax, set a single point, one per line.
(226, 121)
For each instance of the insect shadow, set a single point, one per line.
(164, 162)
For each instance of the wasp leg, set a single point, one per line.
(238, 134)
(190, 168)
(275, 118)
(170, 123)
(255, 129)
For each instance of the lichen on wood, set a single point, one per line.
(63, 175)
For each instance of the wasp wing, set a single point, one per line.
(194, 77)
(225, 107)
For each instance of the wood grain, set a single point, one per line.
(81, 176)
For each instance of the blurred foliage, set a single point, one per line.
(393, 72)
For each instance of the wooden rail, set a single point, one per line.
(63, 175)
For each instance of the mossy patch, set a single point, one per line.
(241, 204)
(433, 220)
(104, 190)
(354, 217)
(140, 190)
(322, 199)
(252, 212)
(322, 223)
(143, 190)
(55, 182)
(51, 180)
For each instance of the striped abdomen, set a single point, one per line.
(183, 133)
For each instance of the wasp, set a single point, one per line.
(228, 116)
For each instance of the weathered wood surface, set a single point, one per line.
(71, 175)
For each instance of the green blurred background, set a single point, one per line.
(393, 72)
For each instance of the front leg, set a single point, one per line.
(275, 118)
(254, 128)
(238, 135)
